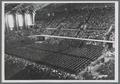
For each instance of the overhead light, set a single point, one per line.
(48, 14)
(106, 6)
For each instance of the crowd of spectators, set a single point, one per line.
(100, 69)
(92, 24)
(37, 68)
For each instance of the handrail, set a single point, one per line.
(65, 37)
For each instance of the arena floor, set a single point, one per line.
(71, 60)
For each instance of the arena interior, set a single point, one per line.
(59, 41)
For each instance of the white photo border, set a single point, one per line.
(62, 81)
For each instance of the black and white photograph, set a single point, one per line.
(60, 41)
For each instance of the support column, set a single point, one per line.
(6, 24)
(16, 22)
(25, 21)
(24, 24)
(33, 18)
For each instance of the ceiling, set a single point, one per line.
(22, 7)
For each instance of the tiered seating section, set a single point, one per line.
(96, 20)
(88, 23)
